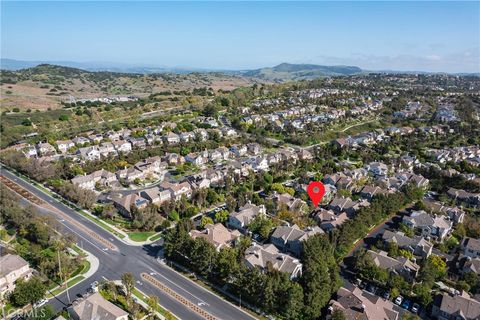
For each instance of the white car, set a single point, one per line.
(40, 303)
(398, 300)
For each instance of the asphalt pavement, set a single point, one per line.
(134, 259)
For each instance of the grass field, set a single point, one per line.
(140, 236)
(70, 283)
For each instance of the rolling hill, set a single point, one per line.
(288, 71)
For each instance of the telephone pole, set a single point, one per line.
(61, 273)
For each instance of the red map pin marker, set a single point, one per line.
(316, 191)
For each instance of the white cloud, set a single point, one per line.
(463, 61)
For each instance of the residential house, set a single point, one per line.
(201, 134)
(225, 152)
(156, 196)
(100, 177)
(126, 203)
(187, 136)
(89, 153)
(464, 196)
(347, 205)
(242, 218)
(470, 247)
(174, 159)
(268, 256)
(304, 155)
(122, 146)
(417, 245)
(289, 202)
(471, 265)
(228, 132)
(217, 235)
(369, 192)
(177, 190)
(328, 220)
(106, 149)
(45, 149)
(139, 143)
(254, 148)
(130, 174)
(455, 307)
(215, 156)
(171, 138)
(12, 268)
(239, 150)
(64, 145)
(96, 307)
(112, 135)
(401, 265)
(454, 213)
(357, 304)
(80, 141)
(290, 239)
(377, 168)
(150, 166)
(95, 138)
(436, 226)
(30, 151)
(197, 159)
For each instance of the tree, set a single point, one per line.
(423, 292)
(128, 281)
(261, 225)
(338, 314)
(221, 216)
(321, 276)
(108, 211)
(152, 303)
(205, 220)
(433, 269)
(203, 256)
(226, 265)
(210, 110)
(27, 292)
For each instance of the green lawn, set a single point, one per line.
(156, 237)
(71, 283)
(101, 223)
(82, 268)
(144, 298)
(140, 236)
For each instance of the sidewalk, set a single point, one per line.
(140, 301)
(94, 264)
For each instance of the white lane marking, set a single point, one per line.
(100, 249)
(201, 300)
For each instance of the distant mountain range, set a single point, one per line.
(288, 71)
(13, 65)
(281, 72)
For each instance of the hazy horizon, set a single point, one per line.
(400, 36)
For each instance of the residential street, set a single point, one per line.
(113, 263)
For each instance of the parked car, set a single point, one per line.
(362, 285)
(406, 304)
(371, 288)
(415, 308)
(386, 295)
(40, 303)
(398, 300)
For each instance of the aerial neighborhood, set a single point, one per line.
(219, 190)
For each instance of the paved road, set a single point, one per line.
(113, 263)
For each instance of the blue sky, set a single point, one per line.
(427, 36)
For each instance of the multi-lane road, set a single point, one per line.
(117, 257)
